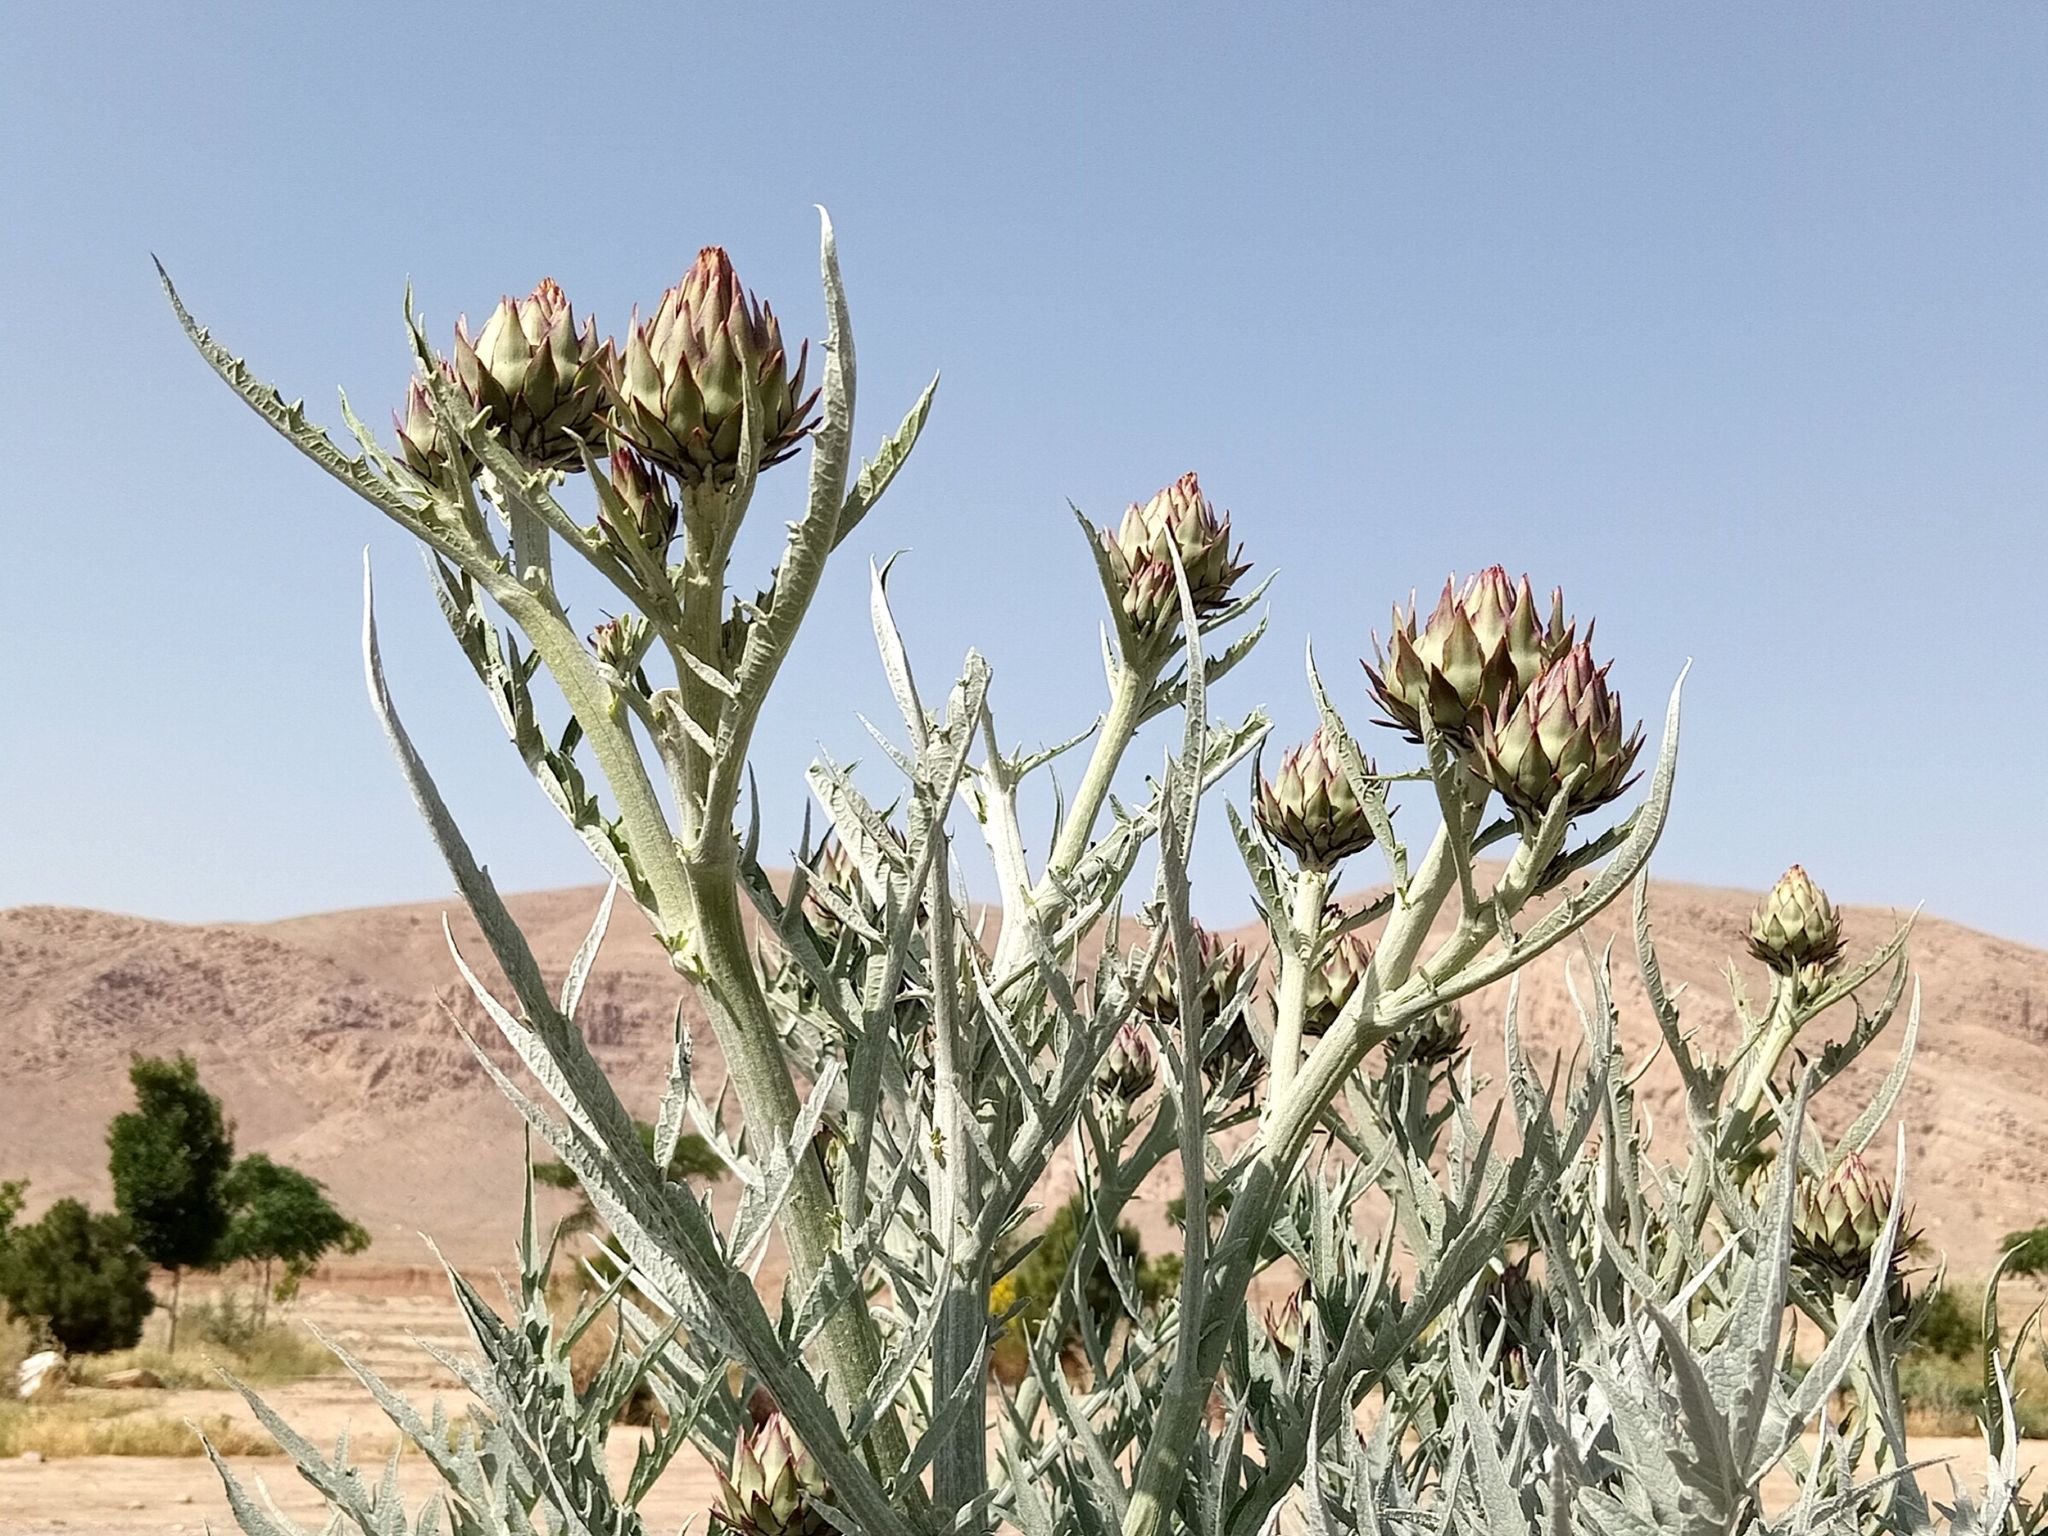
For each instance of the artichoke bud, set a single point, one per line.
(635, 509)
(538, 381)
(421, 442)
(732, 634)
(1331, 984)
(1837, 1220)
(1141, 551)
(1130, 1068)
(1434, 1040)
(1287, 1323)
(1570, 722)
(1309, 809)
(833, 871)
(1797, 929)
(1477, 653)
(1220, 971)
(620, 643)
(773, 1487)
(678, 392)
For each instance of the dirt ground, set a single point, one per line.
(379, 1318)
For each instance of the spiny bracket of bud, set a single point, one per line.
(1331, 985)
(1128, 1071)
(636, 514)
(678, 392)
(1568, 728)
(1140, 557)
(1797, 927)
(1837, 1220)
(536, 379)
(1476, 654)
(773, 1487)
(1309, 809)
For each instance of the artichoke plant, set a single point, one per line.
(1477, 653)
(678, 390)
(1310, 808)
(1566, 733)
(773, 1487)
(1797, 928)
(894, 1117)
(537, 381)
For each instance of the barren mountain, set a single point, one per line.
(328, 1040)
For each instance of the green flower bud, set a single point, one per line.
(1434, 1040)
(774, 1486)
(1309, 809)
(1569, 722)
(635, 509)
(1797, 929)
(1220, 972)
(835, 884)
(678, 392)
(1287, 1323)
(422, 443)
(1141, 550)
(1836, 1221)
(1331, 985)
(538, 382)
(620, 643)
(1475, 655)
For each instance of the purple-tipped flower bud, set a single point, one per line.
(620, 643)
(1477, 653)
(1127, 1073)
(1837, 1220)
(1141, 550)
(1331, 985)
(1309, 809)
(1220, 970)
(421, 442)
(538, 382)
(678, 393)
(1570, 722)
(1797, 927)
(773, 1487)
(634, 507)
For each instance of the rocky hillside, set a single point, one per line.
(327, 1038)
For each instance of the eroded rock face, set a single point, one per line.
(41, 1377)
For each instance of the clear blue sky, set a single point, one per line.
(1730, 318)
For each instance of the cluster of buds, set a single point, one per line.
(536, 380)
(1566, 729)
(1796, 932)
(774, 1488)
(678, 394)
(636, 513)
(1837, 1220)
(1475, 655)
(1140, 552)
(1331, 984)
(1309, 809)
(1128, 1071)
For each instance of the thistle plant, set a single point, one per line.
(1582, 1334)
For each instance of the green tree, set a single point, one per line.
(12, 1193)
(2032, 1255)
(170, 1157)
(280, 1216)
(77, 1277)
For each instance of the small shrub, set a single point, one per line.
(91, 1427)
(78, 1279)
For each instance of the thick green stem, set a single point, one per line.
(1297, 962)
